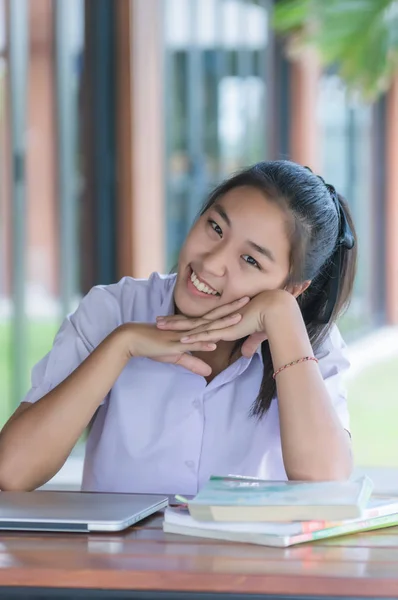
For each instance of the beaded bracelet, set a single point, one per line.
(294, 362)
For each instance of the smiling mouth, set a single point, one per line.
(201, 286)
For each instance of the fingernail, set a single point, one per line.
(235, 315)
(242, 299)
(160, 319)
(185, 339)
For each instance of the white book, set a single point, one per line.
(379, 513)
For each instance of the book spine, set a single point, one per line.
(365, 525)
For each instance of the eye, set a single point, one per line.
(251, 261)
(215, 226)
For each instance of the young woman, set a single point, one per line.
(232, 365)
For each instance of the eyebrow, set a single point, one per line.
(218, 208)
(264, 251)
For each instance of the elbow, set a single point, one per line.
(341, 470)
(336, 467)
(317, 477)
(12, 484)
(11, 478)
(332, 472)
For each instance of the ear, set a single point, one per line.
(296, 289)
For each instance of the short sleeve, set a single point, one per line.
(333, 364)
(97, 315)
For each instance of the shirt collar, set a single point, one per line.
(167, 302)
(259, 354)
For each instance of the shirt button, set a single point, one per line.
(196, 404)
(190, 464)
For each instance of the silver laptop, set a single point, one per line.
(75, 511)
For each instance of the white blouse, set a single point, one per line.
(161, 428)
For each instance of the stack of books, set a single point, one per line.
(280, 513)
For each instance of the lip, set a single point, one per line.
(205, 282)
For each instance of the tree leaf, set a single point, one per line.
(360, 37)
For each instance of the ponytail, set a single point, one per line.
(329, 293)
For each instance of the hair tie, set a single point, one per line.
(345, 237)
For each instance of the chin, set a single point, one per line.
(191, 307)
(186, 307)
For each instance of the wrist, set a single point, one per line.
(287, 334)
(280, 312)
(125, 340)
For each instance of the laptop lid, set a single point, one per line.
(75, 511)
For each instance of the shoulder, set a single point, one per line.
(134, 297)
(105, 307)
(102, 310)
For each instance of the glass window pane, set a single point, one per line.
(215, 100)
(40, 243)
(345, 124)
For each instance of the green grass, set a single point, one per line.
(372, 397)
(373, 408)
(40, 338)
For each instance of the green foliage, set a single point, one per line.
(360, 37)
(374, 413)
(40, 338)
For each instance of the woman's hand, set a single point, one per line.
(162, 342)
(252, 322)
(146, 340)
(223, 315)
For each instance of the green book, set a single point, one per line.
(245, 499)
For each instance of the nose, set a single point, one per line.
(215, 261)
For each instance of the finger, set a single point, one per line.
(169, 317)
(179, 317)
(226, 309)
(180, 324)
(194, 364)
(227, 321)
(203, 324)
(195, 346)
(250, 345)
(226, 334)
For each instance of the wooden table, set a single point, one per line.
(145, 563)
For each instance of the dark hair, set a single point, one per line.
(323, 249)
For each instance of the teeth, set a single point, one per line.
(202, 287)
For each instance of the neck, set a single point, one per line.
(220, 359)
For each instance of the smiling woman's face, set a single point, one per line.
(239, 247)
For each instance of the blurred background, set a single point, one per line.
(118, 116)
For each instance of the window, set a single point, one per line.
(347, 145)
(216, 99)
